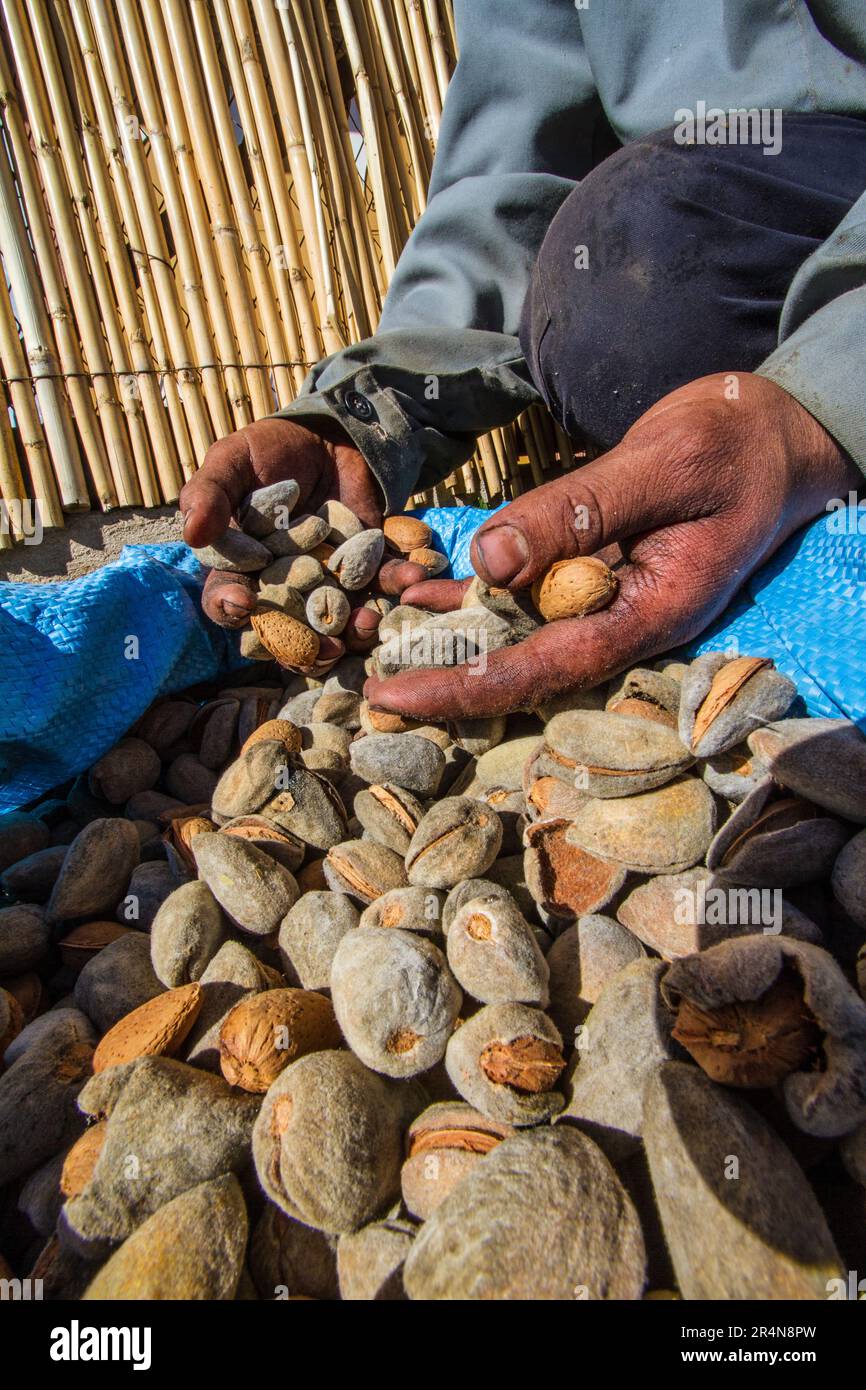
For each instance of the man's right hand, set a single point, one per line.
(323, 462)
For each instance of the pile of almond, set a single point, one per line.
(300, 1001)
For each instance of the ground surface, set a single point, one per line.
(88, 540)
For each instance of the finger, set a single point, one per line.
(330, 650)
(636, 487)
(439, 595)
(211, 497)
(397, 575)
(362, 629)
(662, 602)
(228, 598)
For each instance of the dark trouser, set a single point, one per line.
(690, 251)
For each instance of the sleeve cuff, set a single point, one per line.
(821, 365)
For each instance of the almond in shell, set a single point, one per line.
(291, 643)
(574, 588)
(155, 1029)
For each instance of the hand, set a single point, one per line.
(323, 462)
(698, 494)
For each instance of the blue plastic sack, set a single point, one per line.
(84, 659)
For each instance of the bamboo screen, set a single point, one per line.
(199, 199)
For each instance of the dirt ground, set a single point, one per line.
(89, 540)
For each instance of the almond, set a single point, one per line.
(407, 533)
(154, 1029)
(290, 642)
(80, 1162)
(433, 562)
(265, 1032)
(574, 588)
(283, 730)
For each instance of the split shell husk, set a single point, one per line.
(614, 754)
(510, 1041)
(724, 699)
(565, 880)
(389, 814)
(775, 841)
(823, 760)
(442, 1146)
(363, 869)
(540, 1217)
(458, 838)
(829, 1101)
(662, 831)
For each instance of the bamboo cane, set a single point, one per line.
(426, 70)
(188, 270)
(26, 287)
(184, 375)
(140, 388)
(287, 272)
(331, 125)
(441, 62)
(12, 488)
(213, 182)
(42, 481)
(366, 107)
(112, 134)
(243, 215)
(114, 476)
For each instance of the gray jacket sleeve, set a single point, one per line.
(445, 364)
(820, 357)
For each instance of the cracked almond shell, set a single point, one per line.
(506, 1060)
(395, 999)
(662, 831)
(774, 840)
(443, 1146)
(264, 1032)
(723, 699)
(363, 869)
(574, 588)
(271, 839)
(812, 1039)
(458, 838)
(615, 754)
(289, 642)
(306, 805)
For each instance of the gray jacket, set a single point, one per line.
(535, 80)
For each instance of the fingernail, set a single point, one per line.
(503, 552)
(365, 620)
(187, 518)
(235, 610)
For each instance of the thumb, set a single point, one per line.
(624, 493)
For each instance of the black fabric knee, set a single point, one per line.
(671, 261)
